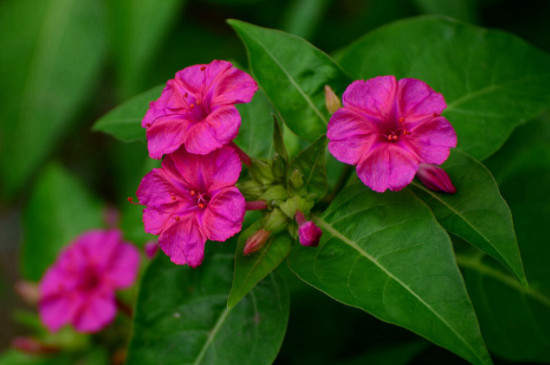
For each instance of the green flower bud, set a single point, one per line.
(275, 221)
(292, 205)
(276, 192)
(278, 167)
(251, 189)
(296, 179)
(261, 171)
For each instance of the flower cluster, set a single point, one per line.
(79, 288)
(192, 197)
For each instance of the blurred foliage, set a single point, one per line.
(65, 63)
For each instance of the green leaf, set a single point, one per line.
(386, 254)
(311, 164)
(59, 209)
(488, 95)
(303, 17)
(293, 74)
(256, 127)
(398, 354)
(278, 141)
(124, 122)
(515, 320)
(138, 29)
(477, 212)
(249, 270)
(465, 10)
(53, 53)
(182, 315)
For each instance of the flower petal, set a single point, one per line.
(433, 139)
(218, 129)
(154, 221)
(223, 217)
(389, 166)
(166, 135)
(417, 100)
(350, 135)
(122, 269)
(156, 188)
(95, 312)
(183, 241)
(210, 172)
(374, 97)
(56, 311)
(235, 86)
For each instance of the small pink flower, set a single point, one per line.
(190, 199)
(79, 288)
(151, 248)
(197, 109)
(388, 128)
(308, 232)
(435, 178)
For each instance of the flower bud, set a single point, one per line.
(251, 189)
(435, 178)
(256, 241)
(332, 101)
(31, 346)
(308, 232)
(275, 221)
(261, 171)
(256, 205)
(28, 291)
(151, 249)
(297, 179)
(277, 192)
(278, 167)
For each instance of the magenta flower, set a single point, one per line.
(197, 109)
(190, 199)
(79, 288)
(308, 232)
(435, 178)
(388, 128)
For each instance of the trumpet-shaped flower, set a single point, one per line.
(80, 286)
(197, 109)
(388, 128)
(192, 198)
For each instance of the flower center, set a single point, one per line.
(89, 280)
(393, 135)
(201, 199)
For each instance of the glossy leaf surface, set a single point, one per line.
(477, 212)
(386, 254)
(182, 315)
(293, 74)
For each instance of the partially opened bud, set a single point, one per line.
(255, 242)
(151, 248)
(435, 178)
(31, 346)
(308, 232)
(332, 101)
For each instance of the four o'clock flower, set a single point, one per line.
(197, 109)
(388, 128)
(190, 199)
(79, 288)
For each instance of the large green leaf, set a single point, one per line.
(138, 28)
(293, 74)
(59, 209)
(249, 270)
(492, 81)
(477, 212)
(515, 320)
(386, 254)
(182, 315)
(256, 127)
(52, 54)
(124, 122)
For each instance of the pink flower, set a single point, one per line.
(308, 232)
(197, 109)
(79, 288)
(435, 178)
(388, 128)
(190, 199)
